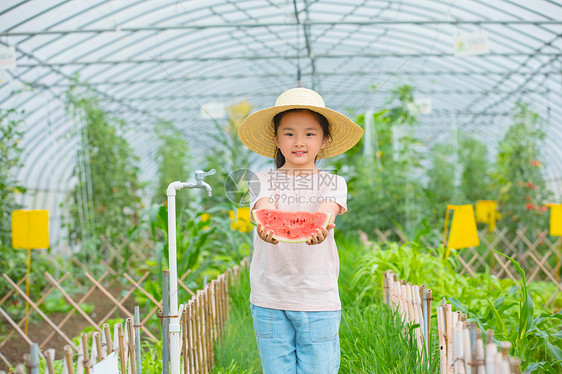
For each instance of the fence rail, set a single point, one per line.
(202, 321)
(461, 347)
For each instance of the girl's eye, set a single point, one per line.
(288, 134)
(310, 134)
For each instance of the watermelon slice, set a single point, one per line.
(291, 227)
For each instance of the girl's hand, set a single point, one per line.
(266, 236)
(321, 235)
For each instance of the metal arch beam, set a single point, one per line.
(357, 92)
(485, 4)
(292, 57)
(306, 33)
(285, 74)
(280, 24)
(498, 83)
(81, 42)
(42, 63)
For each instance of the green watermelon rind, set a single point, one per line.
(288, 240)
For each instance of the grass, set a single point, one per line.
(371, 341)
(238, 350)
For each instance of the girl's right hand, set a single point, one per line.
(266, 236)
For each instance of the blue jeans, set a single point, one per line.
(297, 342)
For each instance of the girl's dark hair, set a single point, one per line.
(322, 121)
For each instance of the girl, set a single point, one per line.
(294, 286)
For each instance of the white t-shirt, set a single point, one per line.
(297, 276)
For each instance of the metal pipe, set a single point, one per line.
(174, 325)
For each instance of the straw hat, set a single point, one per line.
(257, 131)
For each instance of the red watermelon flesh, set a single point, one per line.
(291, 227)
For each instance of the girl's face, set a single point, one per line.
(300, 138)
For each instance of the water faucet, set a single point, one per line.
(199, 183)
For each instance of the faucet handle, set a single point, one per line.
(200, 174)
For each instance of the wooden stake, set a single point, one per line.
(441, 329)
(132, 360)
(27, 361)
(467, 348)
(68, 358)
(191, 336)
(86, 353)
(449, 336)
(417, 315)
(107, 334)
(515, 363)
(49, 358)
(386, 288)
(459, 348)
(214, 308)
(429, 300)
(100, 353)
(184, 346)
(121, 348)
(196, 336)
(206, 326)
(491, 351)
(211, 324)
(202, 327)
(478, 358)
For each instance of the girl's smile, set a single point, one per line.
(300, 138)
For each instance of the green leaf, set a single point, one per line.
(554, 350)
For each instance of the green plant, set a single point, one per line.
(374, 340)
(203, 247)
(237, 352)
(532, 337)
(518, 179)
(227, 155)
(441, 189)
(386, 192)
(507, 307)
(475, 178)
(10, 154)
(173, 160)
(105, 198)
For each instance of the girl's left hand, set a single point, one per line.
(321, 235)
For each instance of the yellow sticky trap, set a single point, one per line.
(463, 232)
(30, 229)
(486, 212)
(555, 219)
(241, 221)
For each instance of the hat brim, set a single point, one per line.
(257, 133)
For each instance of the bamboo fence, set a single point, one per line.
(202, 320)
(461, 347)
(538, 254)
